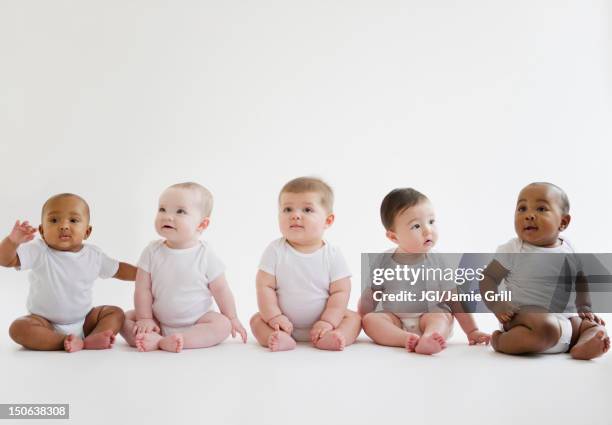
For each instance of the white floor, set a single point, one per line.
(235, 384)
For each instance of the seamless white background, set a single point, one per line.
(467, 102)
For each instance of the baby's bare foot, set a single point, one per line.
(430, 344)
(411, 341)
(147, 341)
(73, 343)
(593, 347)
(281, 341)
(495, 340)
(332, 340)
(172, 343)
(99, 341)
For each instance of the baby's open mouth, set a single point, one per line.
(167, 226)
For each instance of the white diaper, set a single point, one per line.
(563, 345)
(169, 330)
(411, 323)
(301, 335)
(75, 328)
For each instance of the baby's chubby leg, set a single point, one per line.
(36, 333)
(531, 330)
(101, 325)
(210, 329)
(345, 334)
(386, 329)
(436, 328)
(275, 340)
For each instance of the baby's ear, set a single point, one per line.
(88, 232)
(391, 236)
(330, 220)
(203, 224)
(565, 221)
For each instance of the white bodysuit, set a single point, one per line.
(179, 282)
(61, 282)
(533, 281)
(302, 281)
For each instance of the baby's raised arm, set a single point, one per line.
(339, 293)
(267, 301)
(225, 300)
(21, 233)
(143, 302)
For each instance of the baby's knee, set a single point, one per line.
(255, 319)
(19, 328)
(114, 311)
(368, 320)
(548, 331)
(226, 323)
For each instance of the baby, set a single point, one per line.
(177, 278)
(409, 218)
(63, 271)
(542, 213)
(303, 282)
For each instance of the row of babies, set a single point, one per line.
(303, 281)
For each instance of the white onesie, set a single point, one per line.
(410, 313)
(180, 279)
(302, 281)
(536, 282)
(61, 282)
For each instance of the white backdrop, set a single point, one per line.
(465, 102)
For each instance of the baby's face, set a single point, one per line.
(302, 218)
(179, 217)
(538, 218)
(65, 224)
(414, 229)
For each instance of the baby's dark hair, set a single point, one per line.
(565, 203)
(67, 195)
(396, 202)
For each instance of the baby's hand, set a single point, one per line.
(478, 337)
(238, 328)
(281, 322)
(22, 232)
(586, 313)
(504, 311)
(319, 329)
(145, 326)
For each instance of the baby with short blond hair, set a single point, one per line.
(303, 282)
(178, 277)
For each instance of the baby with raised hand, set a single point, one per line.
(63, 270)
(303, 281)
(177, 278)
(409, 219)
(527, 322)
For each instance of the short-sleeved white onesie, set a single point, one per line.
(61, 282)
(532, 281)
(303, 280)
(179, 280)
